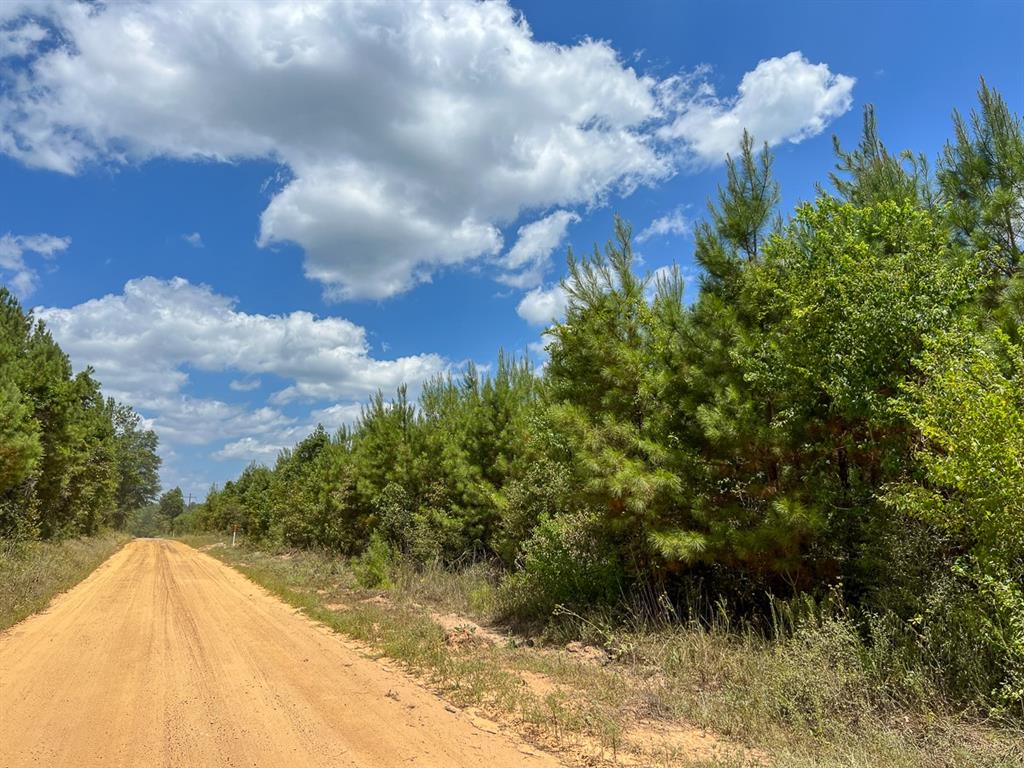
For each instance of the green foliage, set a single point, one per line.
(19, 438)
(566, 562)
(968, 407)
(981, 176)
(837, 419)
(71, 462)
(870, 175)
(748, 200)
(852, 292)
(541, 493)
(373, 568)
(169, 508)
(146, 522)
(606, 397)
(138, 479)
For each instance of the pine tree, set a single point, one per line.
(870, 174)
(981, 176)
(604, 395)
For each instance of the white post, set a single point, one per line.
(233, 532)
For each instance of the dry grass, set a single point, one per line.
(674, 696)
(31, 573)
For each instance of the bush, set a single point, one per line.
(536, 496)
(973, 627)
(374, 567)
(394, 515)
(568, 562)
(969, 410)
(819, 681)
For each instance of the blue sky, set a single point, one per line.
(249, 217)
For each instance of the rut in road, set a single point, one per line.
(166, 657)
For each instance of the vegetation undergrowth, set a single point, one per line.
(609, 689)
(33, 572)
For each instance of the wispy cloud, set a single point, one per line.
(673, 223)
(22, 277)
(528, 260)
(244, 385)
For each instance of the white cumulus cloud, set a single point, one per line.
(543, 306)
(410, 133)
(142, 341)
(13, 267)
(266, 447)
(782, 99)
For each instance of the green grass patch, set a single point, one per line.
(32, 572)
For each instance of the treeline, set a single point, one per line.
(71, 461)
(839, 414)
(165, 516)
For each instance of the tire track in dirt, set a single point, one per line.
(166, 657)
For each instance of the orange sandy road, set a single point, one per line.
(166, 657)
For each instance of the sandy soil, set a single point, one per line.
(166, 657)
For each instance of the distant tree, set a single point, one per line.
(170, 506)
(137, 462)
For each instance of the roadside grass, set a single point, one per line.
(668, 696)
(33, 572)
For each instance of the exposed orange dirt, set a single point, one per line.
(166, 657)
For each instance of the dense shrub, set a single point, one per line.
(373, 568)
(566, 562)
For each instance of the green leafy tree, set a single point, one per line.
(852, 294)
(968, 406)
(605, 397)
(138, 479)
(60, 461)
(20, 450)
(170, 506)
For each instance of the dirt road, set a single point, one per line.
(166, 657)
